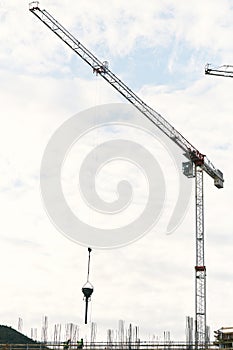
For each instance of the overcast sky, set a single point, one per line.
(159, 49)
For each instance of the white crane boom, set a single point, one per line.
(225, 70)
(102, 69)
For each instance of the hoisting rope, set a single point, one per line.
(89, 258)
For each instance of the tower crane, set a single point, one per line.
(224, 71)
(196, 164)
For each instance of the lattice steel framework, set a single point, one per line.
(200, 268)
(102, 69)
(223, 71)
(200, 161)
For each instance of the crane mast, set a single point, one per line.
(196, 164)
(223, 71)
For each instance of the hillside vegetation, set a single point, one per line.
(9, 335)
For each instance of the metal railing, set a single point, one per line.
(138, 345)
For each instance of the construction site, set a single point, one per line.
(121, 338)
(201, 180)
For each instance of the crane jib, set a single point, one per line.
(101, 68)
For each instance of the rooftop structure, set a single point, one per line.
(224, 337)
